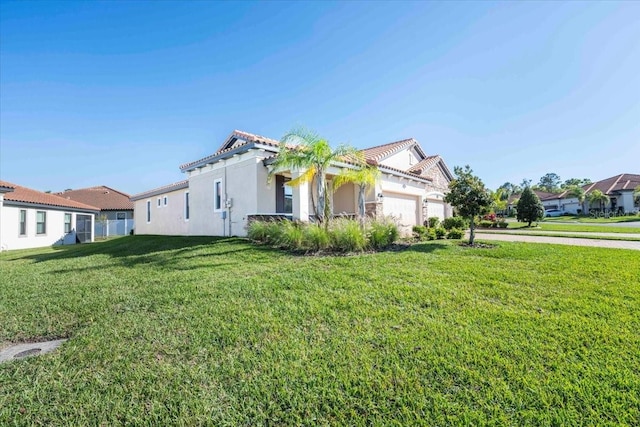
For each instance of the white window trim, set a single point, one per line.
(123, 213)
(165, 200)
(44, 222)
(64, 223)
(187, 200)
(159, 204)
(26, 223)
(215, 196)
(148, 211)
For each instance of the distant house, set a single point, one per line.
(618, 188)
(31, 219)
(225, 190)
(116, 209)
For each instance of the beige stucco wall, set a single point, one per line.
(10, 228)
(166, 220)
(345, 200)
(402, 160)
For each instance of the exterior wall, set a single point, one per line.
(439, 180)
(345, 200)
(113, 215)
(165, 220)
(10, 228)
(402, 160)
(241, 184)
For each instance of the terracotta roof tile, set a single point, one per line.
(625, 181)
(107, 199)
(381, 151)
(27, 195)
(238, 134)
(161, 190)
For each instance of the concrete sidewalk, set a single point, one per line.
(572, 241)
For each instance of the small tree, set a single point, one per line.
(636, 195)
(306, 150)
(577, 192)
(597, 196)
(469, 196)
(364, 177)
(529, 207)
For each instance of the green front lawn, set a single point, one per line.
(192, 331)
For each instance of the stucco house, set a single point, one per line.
(225, 190)
(618, 188)
(31, 219)
(116, 208)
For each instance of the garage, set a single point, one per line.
(435, 208)
(402, 207)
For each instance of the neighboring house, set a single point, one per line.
(618, 188)
(31, 219)
(116, 209)
(225, 190)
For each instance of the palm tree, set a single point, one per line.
(597, 196)
(636, 195)
(364, 176)
(578, 193)
(305, 149)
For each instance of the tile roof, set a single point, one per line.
(381, 151)
(625, 181)
(27, 195)
(106, 198)
(426, 163)
(161, 190)
(227, 146)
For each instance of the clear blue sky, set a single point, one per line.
(122, 93)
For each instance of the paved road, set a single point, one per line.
(633, 224)
(530, 231)
(573, 241)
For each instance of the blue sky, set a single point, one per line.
(122, 93)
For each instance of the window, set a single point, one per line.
(288, 199)
(165, 200)
(186, 205)
(217, 195)
(67, 223)
(23, 222)
(159, 202)
(148, 210)
(121, 215)
(41, 222)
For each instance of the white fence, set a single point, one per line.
(113, 227)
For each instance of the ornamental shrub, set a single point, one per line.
(382, 234)
(433, 221)
(455, 222)
(420, 232)
(316, 238)
(440, 232)
(485, 224)
(455, 233)
(347, 236)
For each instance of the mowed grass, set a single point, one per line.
(192, 331)
(627, 218)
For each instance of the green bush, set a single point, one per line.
(455, 222)
(433, 221)
(503, 224)
(420, 232)
(455, 233)
(382, 234)
(431, 234)
(440, 232)
(485, 224)
(291, 235)
(316, 238)
(257, 231)
(347, 236)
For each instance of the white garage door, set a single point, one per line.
(403, 208)
(435, 208)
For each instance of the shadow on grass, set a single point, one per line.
(428, 247)
(164, 251)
